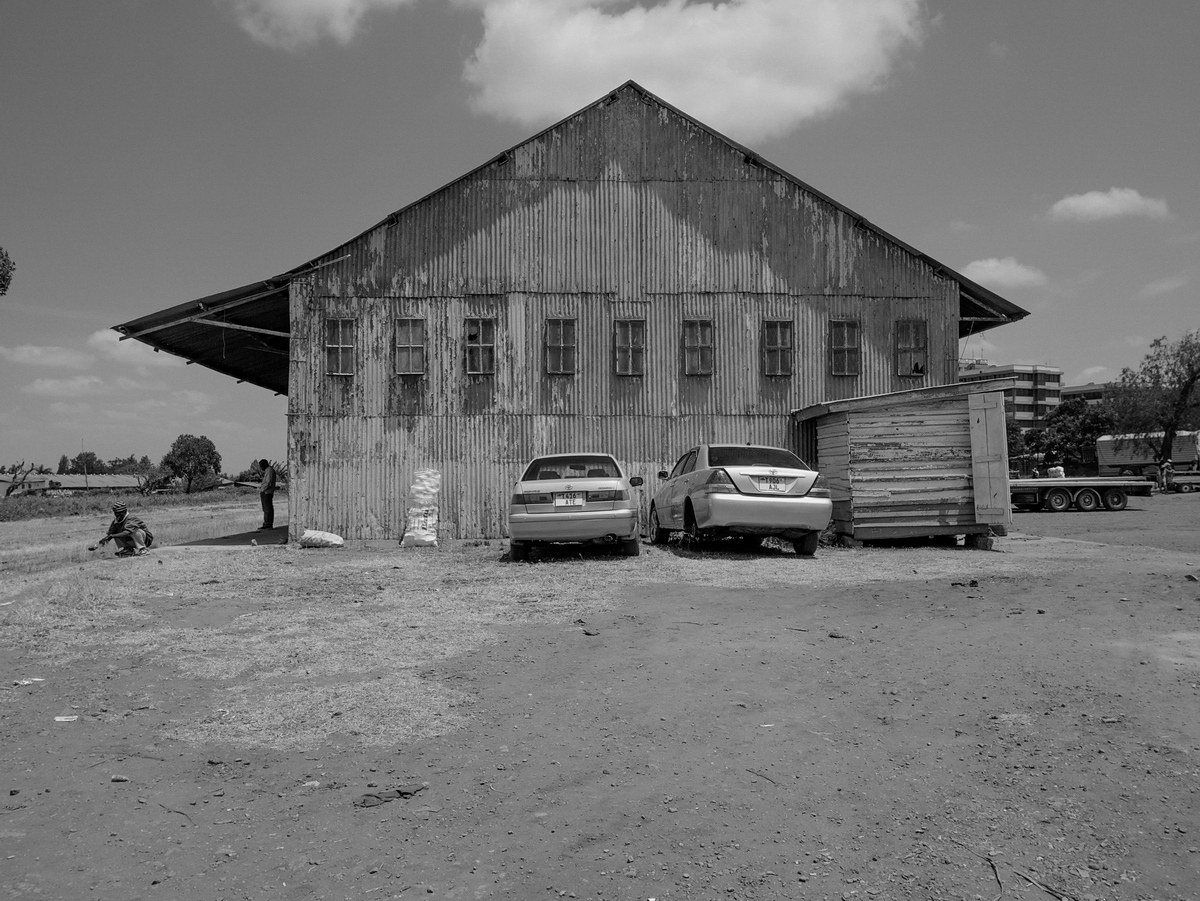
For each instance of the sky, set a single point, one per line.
(153, 153)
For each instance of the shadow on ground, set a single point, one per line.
(277, 535)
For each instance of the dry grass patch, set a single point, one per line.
(294, 646)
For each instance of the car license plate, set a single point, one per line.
(568, 499)
(770, 484)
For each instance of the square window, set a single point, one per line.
(777, 347)
(912, 348)
(410, 346)
(481, 346)
(697, 347)
(339, 347)
(629, 346)
(845, 356)
(560, 346)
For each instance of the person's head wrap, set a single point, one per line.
(118, 509)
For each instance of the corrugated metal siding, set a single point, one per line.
(627, 211)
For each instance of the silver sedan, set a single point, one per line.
(583, 497)
(739, 489)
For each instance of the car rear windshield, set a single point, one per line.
(737, 455)
(572, 467)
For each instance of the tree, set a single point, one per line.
(20, 473)
(64, 465)
(152, 478)
(6, 270)
(192, 459)
(87, 463)
(1016, 439)
(1162, 394)
(1070, 432)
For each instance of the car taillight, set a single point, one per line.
(719, 482)
(532, 498)
(820, 487)
(615, 494)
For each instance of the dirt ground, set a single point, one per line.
(874, 723)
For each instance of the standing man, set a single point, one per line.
(266, 493)
(1165, 473)
(129, 532)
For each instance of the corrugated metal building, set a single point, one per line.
(626, 280)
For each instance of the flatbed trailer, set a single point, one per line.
(1084, 494)
(1184, 482)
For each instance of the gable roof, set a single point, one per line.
(244, 332)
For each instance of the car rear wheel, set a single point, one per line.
(631, 548)
(1087, 500)
(806, 546)
(658, 535)
(1058, 500)
(518, 550)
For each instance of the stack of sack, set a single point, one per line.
(421, 530)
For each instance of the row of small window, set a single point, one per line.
(560, 347)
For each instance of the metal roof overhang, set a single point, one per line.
(980, 309)
(243, 333)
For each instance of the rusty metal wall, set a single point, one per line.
(627, 211)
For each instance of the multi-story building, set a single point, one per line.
(1037, 392)
(1091, 393)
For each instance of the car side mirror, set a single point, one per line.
(662, 473)
(636, 481)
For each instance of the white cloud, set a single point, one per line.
(1163, 286)
(961, 227)
(64, 357)
(1005, 273)
(293, 24)
(129, 352)
(1095, 206)
(78, 386)
(749, 68)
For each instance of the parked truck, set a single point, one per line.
(1083, 494)
(1137, 455)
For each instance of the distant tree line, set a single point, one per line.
(192, 462)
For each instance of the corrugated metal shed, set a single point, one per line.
(932, 461)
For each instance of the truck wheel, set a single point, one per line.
(1115, 499)
(1087, 501)
(1058, 500)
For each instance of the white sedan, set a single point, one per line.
(584, 497)
(740, 489)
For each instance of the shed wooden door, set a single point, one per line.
(989, 458)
